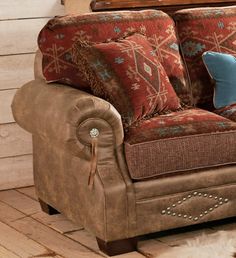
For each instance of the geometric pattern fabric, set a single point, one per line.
(200, 30)
(128, 74)
(184, 142)
(59, 34)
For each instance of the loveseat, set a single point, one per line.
(123, 173)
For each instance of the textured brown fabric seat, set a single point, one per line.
(182, 141)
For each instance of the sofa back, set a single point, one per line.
(57, 38)
(199, 30)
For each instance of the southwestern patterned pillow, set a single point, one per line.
(60, 33)
(200, 30)
(128, 74)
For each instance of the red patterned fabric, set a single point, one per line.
(200, 30)
(178, 124)
(180, 141)
(57, 37)
(128, 74)
(228, 112)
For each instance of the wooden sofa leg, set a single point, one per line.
(118, 247)
(47, 208)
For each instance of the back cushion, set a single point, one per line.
(200, 30)
(56, 40)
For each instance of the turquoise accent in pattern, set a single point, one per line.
(223, 124)
(222, 68)
(119, 60)
(174, 46)
(68, 56)
(117, 30)
(60, 36)
(116, 16)
(191, 48)
(105, 75)
(169, 130)
(153, 53)
(228, 112)
(97, 64)
(221, 25)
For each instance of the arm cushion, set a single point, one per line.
(64, 116)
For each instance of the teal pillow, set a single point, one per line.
(222, 68)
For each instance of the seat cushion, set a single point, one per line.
(180, 141)
(200, 30)
(127, 73)
(228, 112)
(57, 37)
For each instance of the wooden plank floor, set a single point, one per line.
(27, 232)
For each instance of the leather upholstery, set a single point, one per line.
(115, 208)
(62, 155)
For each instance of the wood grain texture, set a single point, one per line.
(165, 5)
(6, 97)
(13, 9)
(8, 214)
(75, 6)
(4, 253)
(16, 172)
(89, 240)
(20, 36)
(20, 202)
(14, 141)
(23, 246)
(57, 222)
(16, 70)
(29, 191)
(52, 239)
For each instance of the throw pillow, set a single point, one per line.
(128, 74)
(222, 68)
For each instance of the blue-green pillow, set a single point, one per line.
(222, 68)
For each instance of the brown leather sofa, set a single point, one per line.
(118, 207)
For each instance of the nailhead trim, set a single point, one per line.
(220, 201)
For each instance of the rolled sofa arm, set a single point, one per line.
(67, 116)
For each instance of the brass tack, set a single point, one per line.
(173, 214)
(185, 216)
(199, 194)
(201, 215)
(173, 205)
(190, 217)
(163, 211)
(179, 202)
(226, 200)
(179, 215)
(211, 209)
(205, 212)
(168, 208)
(205, 195)
(184, 199)
(196, 218)
(189, 196)
(210, 196)
(220, 203)
(195, 193)
(216, 205)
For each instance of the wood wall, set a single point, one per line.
(20, 23)
(77, 6)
